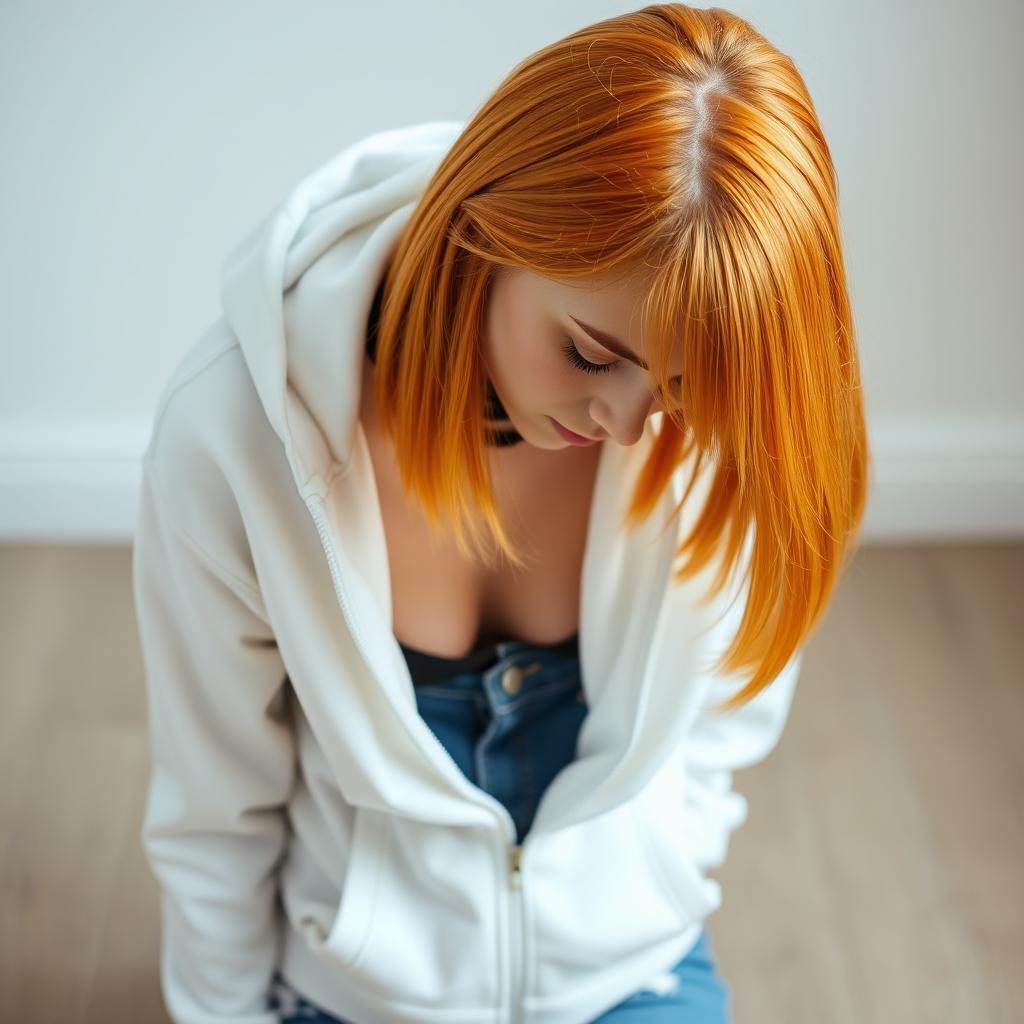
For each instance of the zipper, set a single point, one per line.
(314, 503)
(516, 930)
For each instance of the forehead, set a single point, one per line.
(612, 301)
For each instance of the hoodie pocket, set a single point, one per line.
(351, 927)
(671, 858)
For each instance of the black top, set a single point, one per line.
(428, 668)
(501, 433)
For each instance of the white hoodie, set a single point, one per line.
(288, 755)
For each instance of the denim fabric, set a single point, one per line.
(511, 728)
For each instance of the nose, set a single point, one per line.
(622, 416)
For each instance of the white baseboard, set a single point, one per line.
(933, 479)
(948, 478)
(72, 481)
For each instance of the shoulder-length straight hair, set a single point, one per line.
(680, 139)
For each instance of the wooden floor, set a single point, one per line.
(878, 878)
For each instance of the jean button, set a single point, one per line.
(512, 677)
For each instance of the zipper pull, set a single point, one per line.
(515, 854)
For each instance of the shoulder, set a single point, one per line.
(209, 391)
(212, 449)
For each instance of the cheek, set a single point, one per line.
(524, 355)
(547, 381)
(542, 360)
(527, 364)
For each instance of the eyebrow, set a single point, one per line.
(613, 345)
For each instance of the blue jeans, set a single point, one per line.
(511, 727)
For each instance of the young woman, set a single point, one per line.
(479, 539)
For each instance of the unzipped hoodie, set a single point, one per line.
(301, 815)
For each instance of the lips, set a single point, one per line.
(571, 436)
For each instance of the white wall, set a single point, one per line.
(142, 140)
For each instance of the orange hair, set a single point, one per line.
(679, 139)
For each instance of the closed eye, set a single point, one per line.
(616, 347)
(572, 353)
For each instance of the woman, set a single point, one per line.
(441, 731)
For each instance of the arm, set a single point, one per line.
(222, 768)
(719, 744)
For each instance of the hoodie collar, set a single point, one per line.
(296, 291)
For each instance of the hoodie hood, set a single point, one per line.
(297, 290)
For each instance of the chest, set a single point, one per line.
(448, 606)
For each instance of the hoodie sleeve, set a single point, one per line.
(222, 766)
(720, 743)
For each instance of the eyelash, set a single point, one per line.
(572, 353)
